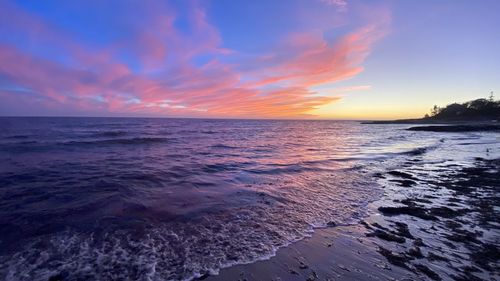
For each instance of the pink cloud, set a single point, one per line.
(310, 60)
(169, 83)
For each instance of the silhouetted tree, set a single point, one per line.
(435, 110)
(479, 109)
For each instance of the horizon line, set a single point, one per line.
(200, 118)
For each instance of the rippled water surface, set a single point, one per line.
(169, 199)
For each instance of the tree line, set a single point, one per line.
(479, 109)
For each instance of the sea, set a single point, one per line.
(179, 199)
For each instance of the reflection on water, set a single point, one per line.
(156, 199)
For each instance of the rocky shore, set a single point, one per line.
(447, 227)
(442, 225)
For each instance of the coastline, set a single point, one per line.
(458, 128)
(431, 125)
(423, 228)
(333, 253)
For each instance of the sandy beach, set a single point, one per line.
(443, 226)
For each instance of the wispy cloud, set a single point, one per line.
(340, 4)
(155, 70)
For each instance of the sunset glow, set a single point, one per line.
(222, 59)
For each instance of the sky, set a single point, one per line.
(317, 59)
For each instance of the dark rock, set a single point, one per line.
(402, 229)
(419, 200)
(464, 236)
(386, 236)
(418, 242)
(331, 224)
(466, 277)
(487, 254)
(404, 183)
(400, 174)
(434, 257)
(377, 225)
(427, 271)
(453, 224)
(367, 225)
(446, 212)
(408, 210)
(457, 128)
(415, 252)
(395, 259)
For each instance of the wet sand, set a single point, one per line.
(442, 225)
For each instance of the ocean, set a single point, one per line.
(177, 199)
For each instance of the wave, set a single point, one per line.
(175, 251)
(138, 140)
(17, 137)
(325, 165)
(223, 146)
(258, 218)
(110, 134)
(476, 143)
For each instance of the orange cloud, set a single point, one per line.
(168, 82)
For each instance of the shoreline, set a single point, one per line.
(442, 125)
(329, 254)
(458, 128)
(432, 228)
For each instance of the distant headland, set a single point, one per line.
(475, 115)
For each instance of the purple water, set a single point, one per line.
(174, 199)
